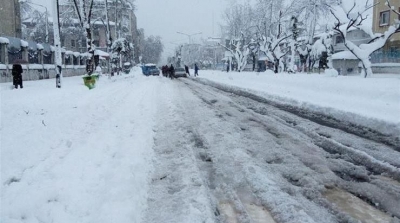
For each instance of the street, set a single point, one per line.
(151, 149)
(223, 157)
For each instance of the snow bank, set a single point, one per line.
(69, 162)
(331, 72)
(372, 102)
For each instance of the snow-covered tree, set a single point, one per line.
(275, 46)
(152, 50)
(353, 18)
(83, 9)
(309, 13)
(293, 42)
(240, 51)
(122, 47)
(322, 49)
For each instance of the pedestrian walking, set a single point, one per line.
(187, 70)
(196, 70)
(171, 72)
(17, 75)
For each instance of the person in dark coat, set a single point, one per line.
(196, 70)
(171, 72)
(17, 75)
(187, 70)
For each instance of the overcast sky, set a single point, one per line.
(167, 17)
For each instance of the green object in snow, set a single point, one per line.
(90, 81)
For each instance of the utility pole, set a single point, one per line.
(109, 39)
(57, 43)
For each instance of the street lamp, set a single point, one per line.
(47, 18)
(189, 35)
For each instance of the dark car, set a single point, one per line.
(180, 72)
(150, 69)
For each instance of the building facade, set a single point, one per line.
(10, 17)
(383, 18)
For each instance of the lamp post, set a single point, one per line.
(47, 19)
(189, 35)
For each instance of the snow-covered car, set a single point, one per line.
(180, 72)
(150, 69)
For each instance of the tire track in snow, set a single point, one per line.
(296, 125)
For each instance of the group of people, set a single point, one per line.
(169, 71)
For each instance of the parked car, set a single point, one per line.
(150, 69)
(180, 72)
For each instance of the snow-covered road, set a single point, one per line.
(150, 149)
(223, 157)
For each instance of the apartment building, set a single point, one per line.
(10, 17)
(383, 17)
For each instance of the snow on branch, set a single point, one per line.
(353, 20)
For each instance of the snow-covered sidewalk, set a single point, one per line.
(77, 155)
(371, 100)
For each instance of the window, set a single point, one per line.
(384, 18)
(73, 43)
(339, 39)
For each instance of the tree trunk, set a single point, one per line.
(57, 43)
(89, 61)
(276, 65)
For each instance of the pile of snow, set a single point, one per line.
(77, 155)
(331, 72)
(369, 102)
(24, 43)
(101, 53)
(40, 46)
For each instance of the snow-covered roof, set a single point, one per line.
(149, 65)
(76, 54)
(263, 58)
(101, 53)
(68, 52)
(344, 55)
(101, 23)
(52, 48)
(4, 40)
